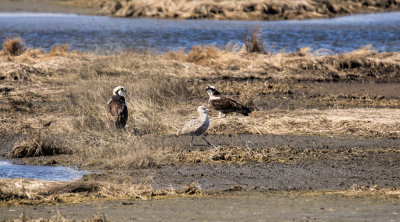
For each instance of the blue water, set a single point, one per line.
(50, 173)
(106, 34)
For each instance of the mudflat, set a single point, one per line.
(285, 206)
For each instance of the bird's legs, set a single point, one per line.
(191, 142)
(220, 115)
(204, 138)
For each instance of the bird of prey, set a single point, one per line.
(196, 127)
(225, 104)
(116, 109)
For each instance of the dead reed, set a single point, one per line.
(59, 50)
(254, 42)
(13, 47)
(25, 191)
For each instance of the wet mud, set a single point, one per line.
(293, 163)
(236, 207)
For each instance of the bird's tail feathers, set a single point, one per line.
(245, 111)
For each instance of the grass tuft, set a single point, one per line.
(58, 50)
(13, 47)
(254, 42)
(78, 186)
(38, 144)
(191, 189)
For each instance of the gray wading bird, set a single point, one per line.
(225, 104)
(196, 127)
(116, 109)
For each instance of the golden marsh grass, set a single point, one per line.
(62, 94)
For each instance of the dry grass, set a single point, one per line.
(13, 47)
(59, 50)
(363, 64)
(241, 155)
(39, 144)
(242, 10)
(254, 42)
(25, 191)
(69, 90)
(333, 122)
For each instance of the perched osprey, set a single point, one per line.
(196, 127)
(116, 110)
(224, 104)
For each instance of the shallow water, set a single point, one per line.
(9, 170)
(109, 34)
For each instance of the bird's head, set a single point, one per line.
(212, 91)
(119, 90)
(202, 109)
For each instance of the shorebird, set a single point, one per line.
(196, 127)
(225, 104)
(116, 109)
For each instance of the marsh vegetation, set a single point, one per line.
(53, 112)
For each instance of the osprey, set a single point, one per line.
(224, 104)
(196, 127)
(116, 109)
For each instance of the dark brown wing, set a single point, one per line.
(123, 118)
(228, 105)
(117, 112)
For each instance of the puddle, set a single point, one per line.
(49, 173)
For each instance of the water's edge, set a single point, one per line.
(104, 34)
(10, 170)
